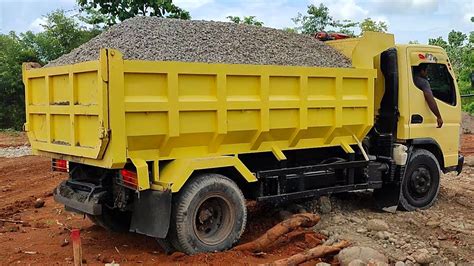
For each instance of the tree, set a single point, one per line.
(460, 52)
(249, 20)
(116, 11)
(438, 42)
(414, 42)
(318, 19)
(371, 25)
(12, 53)
(61, 34)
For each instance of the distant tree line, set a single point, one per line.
(62, 32)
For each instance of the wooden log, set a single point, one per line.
(310, 254)
(272, 235)
(11, 221)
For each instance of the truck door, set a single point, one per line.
(443, 84)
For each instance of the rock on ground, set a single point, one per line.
(377, 225)
(365, 254)
(13, 152)
(159, 39)
(325, 204)
(467, 123)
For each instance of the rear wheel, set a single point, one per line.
(209, 214)
(112, 220)
(420, 185)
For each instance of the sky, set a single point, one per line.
(409, 20)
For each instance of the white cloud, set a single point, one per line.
(343, 9)
(35, 26)
(406, 6)
(192, 4)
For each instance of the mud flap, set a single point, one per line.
(388, 197)
(151, 213)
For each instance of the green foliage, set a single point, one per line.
(469, 108)
(249, 20)
(371, 25)
(414, 42)
(12, 53)
(61, 34)
(290, 30)
(460, 52)
(318, 19)
(114, 11)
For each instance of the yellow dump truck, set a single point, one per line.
(173, 150)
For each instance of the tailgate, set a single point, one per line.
(66, 108)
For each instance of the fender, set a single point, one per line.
(176, 173)
(433, 148)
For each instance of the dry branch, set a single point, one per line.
(12, 221)
(272, 235)
(316, 252)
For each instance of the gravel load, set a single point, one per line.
(158, 39)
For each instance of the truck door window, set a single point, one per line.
(441, 83)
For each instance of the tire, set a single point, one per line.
(112, 220)
(209, 214)
(420, 185)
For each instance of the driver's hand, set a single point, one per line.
(439, 120)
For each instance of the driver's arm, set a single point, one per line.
(430, 100)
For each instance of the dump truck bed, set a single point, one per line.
(175, 110)
(107, 111)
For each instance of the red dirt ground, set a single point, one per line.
(39, 239)
(467, 144)
(13, 139)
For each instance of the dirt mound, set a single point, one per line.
(158, 39)
(467, 123)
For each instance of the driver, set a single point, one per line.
(421, 81)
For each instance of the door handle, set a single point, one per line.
(416, 119)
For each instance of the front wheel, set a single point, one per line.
(420, 185)
(209, 214)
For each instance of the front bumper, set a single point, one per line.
(80, 197)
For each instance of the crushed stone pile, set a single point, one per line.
(159, 39)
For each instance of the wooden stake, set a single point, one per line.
(76, 246)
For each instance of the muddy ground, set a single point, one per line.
(445, 231)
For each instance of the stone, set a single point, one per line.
(400, 263)
(356, 220)
(377, 225)
(382, 235)
(361, 230)
(161, 39)
(365, 254)
(357, 262)
(339, 219)
(322, 264)
(325, 205)
(64, 243)
(433, 223)
(422, 256)
(39, 203)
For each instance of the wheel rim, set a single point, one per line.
(213, 219)
(420, 182)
